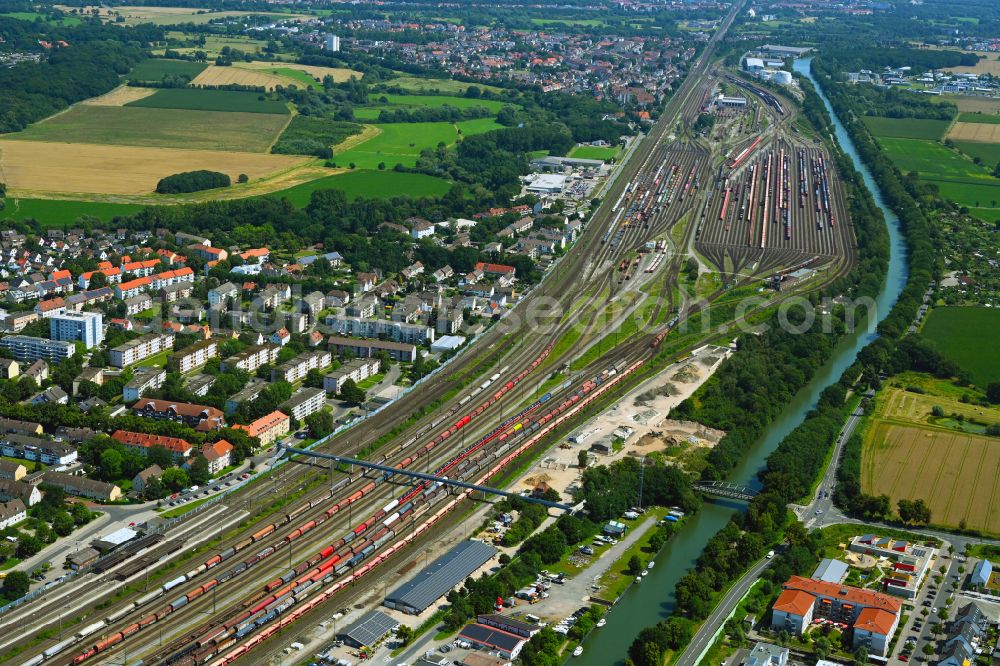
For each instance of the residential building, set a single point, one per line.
(366, 348)
(252, 358)
(139, 349)
(29, 348)
(910, 562)
(766, 654)
(199, 384)
(38, 371)
(53, 395)
(81, 486)
(194, 356)
(26, 492)
(304, 402)
(267, 428)
(873, 616)
(137, 304)
(51, 307)
(142, 442)
(495, 640)
(15, 323)
(144, 379)
(36, 449)
(12, 471)
(12, 513)
(9, 368)
(248, 393)
(201, 417)
(20, 427)
(380, 328)
(981, 573)
(296, 369)
(358, 369)
(140, 480)
(227, 291)
(364, 307)
(218, 455)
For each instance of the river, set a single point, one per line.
(645, 604)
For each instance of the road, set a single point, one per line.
(706, 633)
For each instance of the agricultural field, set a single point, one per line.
(68, 21)
(211, 100)
(594, 152)
(369, 184)
(436, 86)
(308, 135)
(55, 213)
(403, 101)
(120, 96)
(401, 143)
(978, 118)
(164, 128)
(314, 72)
(154, 69)
(906, 128)
(173, 15)
(989, 153)
(967, 104)
(227, 76)
(214, 44)
(966, 335)
(981, 132)
(958, 178)
(898, 404)
(953, 472)
(87, 169)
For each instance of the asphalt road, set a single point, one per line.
(706, 634)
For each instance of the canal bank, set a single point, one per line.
(643, 605)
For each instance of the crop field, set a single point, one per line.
(976, 104)
(968, 336)
(954, 473)
(958, 178)
(369, 184)
(983, 132)
(120, 96)
(594, 152)
(88, 169)
(989, 153)
(210, 100)
(317, 73)
(436, 86)
(226, 76)
(68, 21)
(401, 143)
(917, 408)
(906, 128)
(986, 65)
(56, 213)
(215, 43)
(155, 69)
(176, 15)
(164, 128)
(979, 118)
(438, 100)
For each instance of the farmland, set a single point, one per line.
(55, 213)
(401, 143)
(88, 169)
(210, 100)
(957, 177)
(953, 472)
(979, 118)
(154, 69)
(906, 128)
(165, 128)
(176, 15)
(315, 72)
(227, 76)
(963, 334)
(976, 104)
(214, 44)
(989, 153)
(435, 86)
(371, 184)
(120, 96)
(983, 132)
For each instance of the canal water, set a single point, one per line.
(646, 603)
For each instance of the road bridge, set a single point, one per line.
(726, 489)
(429, 477)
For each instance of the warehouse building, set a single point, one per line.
(440, 577)
(369, 630)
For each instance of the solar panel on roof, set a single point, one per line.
(371, 628)
(441, 576)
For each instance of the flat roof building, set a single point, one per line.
(440, 577)
(87, 327)
(830, 571)
(29, 348)
(369, 630)
(492, 639)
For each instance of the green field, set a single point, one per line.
(959, 179)
(56, 214)
(965, 335)
(587, 22)
(372, 184)
(444, 86)
(196, 99)
(393, 101)
(162, 128)
(401, 143)
(979, 118)
(67, 21)
(155, 69)
(594, 152)
(306, 133)
(906, 128)
(989, 153)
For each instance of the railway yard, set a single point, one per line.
(238, 580)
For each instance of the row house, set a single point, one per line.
(296, 369)
(139, 349)
(81, 486)
(140, 441)
(251, 358)
(36, 449)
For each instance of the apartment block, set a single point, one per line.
(139, 349)
(29, 348)
(194, 356)
(380, 328)
(297, 368)
(304, 402)
(252, 358)
(144, 380)
(359, 369)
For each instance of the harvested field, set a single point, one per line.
(162, 128)
(339, 74)
(224, 76)
(916, 407)
(956, 474)
(120, 96)
(38, 166)
(983, 132)
(172, 15)
(988, 64)
(976, 104)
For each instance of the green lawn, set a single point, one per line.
(184, 508)
(53, 213)
(906, 128)
(992, 119)
(371, 184)
(29, 464)
(160, 128)
(197, 99)
(155, 69)
(401, 143)
(594, 152)
(965, 335)
(157, 360)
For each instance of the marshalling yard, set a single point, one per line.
(242, 579)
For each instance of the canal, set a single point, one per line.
(653, 599)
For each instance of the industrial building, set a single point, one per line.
(548, 183)
(440, 577)
(492, 639)
(369, 630)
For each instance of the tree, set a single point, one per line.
(159, 455)
(320, 423)
(634, 566)
(154, 489)
(175, 479)
(404, 635)
(15, 585)
(29, 545)
(993, 393)
(198, 470)
(582, 458)
(63, 523)
(351, 394)
(111, 465)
